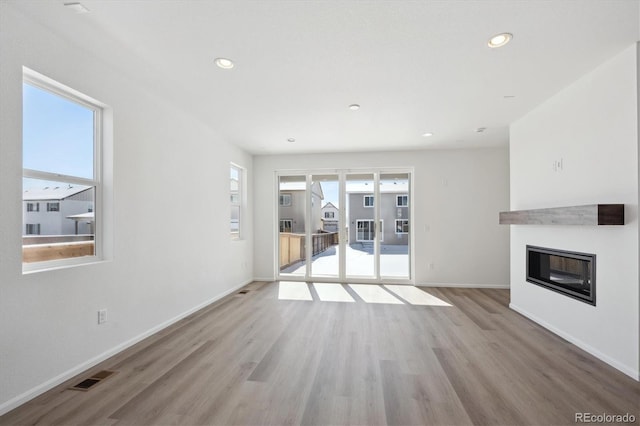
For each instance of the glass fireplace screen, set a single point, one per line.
(566, 272)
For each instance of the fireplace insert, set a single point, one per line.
(570, 273)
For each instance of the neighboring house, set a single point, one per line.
(58, 210)
(394, 213)
(291, 209)
(330, 214)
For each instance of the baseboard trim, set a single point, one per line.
(264, 279)
(461, 285)
(61, 378)
(629, 371)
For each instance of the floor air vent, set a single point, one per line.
(243, 292)
(92, 381)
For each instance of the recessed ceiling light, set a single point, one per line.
(291, 140)
(426, 135)
(499, 40)
(77, 7)
(224, 63)
(354, 107)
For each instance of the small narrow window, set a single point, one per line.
(368, 201)
(329, 215)
(61, 168)
(235, 197)
(285, 200)
(402, 201)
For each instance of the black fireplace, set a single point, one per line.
(570, 273)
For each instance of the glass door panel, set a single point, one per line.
(394, 213)
(360, 224)
(325, 218)
(292, 207)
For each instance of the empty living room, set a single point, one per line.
(319, 212)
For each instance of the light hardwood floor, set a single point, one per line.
(254, 359)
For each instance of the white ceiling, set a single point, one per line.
(413, 66)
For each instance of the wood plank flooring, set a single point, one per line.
(255, 360)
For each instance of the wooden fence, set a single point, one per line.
(55, 251)
(292, 246)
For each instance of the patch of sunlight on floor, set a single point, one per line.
(290, 290)
(374, 294)
(332, 293)
(416, 296)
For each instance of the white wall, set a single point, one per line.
(458, 194)
(170, 221)
(592, 126)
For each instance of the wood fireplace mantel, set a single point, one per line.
(591, 214)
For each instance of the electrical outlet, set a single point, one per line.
(102, 316)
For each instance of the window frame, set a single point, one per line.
(374, 231)
(32, 225)
(46, 84)
(237, 202)
(285, 220)
(53, 206)
(406, 197)
(333, 215)
(284, 195)
(403, 232)
(364, 201)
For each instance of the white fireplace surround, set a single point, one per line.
(592, 128)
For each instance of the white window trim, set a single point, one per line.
(402, 205)
(396, 227)
(285, 220)
(364, 201)
(284, 195)
(240, 202)
(370, 220)
(42, 82)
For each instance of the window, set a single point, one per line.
(61, 147)
(285, 200)
(402, 201)
(235, 195)
(329, 215)
(368, 201)
(402, 226)
(33, 229)
(365, 230)
(286, 225)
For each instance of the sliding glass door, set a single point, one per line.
(344, 226)
(325, 216)
(361, 221)
(394, 213)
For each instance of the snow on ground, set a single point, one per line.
(394, 262)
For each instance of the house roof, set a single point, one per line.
(53, 192)
(82, 216)
(329, 205)
(385, 187)
(316, 187)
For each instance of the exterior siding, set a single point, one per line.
(389, 212)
